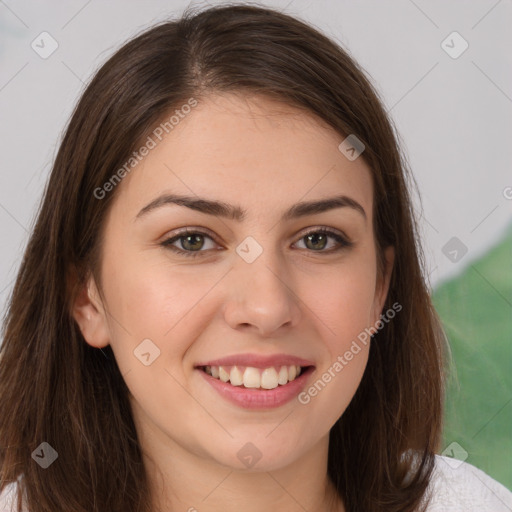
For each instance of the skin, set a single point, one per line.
(263, 156)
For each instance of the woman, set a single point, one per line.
(222, 305)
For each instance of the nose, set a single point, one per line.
(261, 296)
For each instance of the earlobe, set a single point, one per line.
(89, 314)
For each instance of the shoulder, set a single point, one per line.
(8, 498)
(460, 487)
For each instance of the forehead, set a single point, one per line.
(253, 151)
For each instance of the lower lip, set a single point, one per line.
(259, 398)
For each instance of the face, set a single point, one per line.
(251, 291)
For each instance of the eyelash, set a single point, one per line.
(344, 243)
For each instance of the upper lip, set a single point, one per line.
(257, 361)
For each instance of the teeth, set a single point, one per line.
(250, 377)
(269, 378)
(223, 374)
(283, 376)
(235, 377)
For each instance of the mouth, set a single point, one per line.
(250, 377)
(256, 382)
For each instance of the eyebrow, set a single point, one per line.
(237, 213)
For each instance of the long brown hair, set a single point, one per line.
(56, 388)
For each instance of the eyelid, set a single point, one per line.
(315, 229)
(190, 230)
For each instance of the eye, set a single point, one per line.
(192, 242)
(317, 240)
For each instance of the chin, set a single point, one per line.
(257, 453)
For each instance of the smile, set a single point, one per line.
(257, 388)
(251, 377)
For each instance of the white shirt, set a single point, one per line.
(460, 487)
(455, 487)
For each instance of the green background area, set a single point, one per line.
(476, 310)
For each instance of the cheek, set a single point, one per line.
(157, 301)
(345, 312)
(334, 386)
(343, 306)
(166, 304)
(342, 300)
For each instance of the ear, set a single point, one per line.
(382, 287)
(89, 313)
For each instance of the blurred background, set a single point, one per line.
(443, 70)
